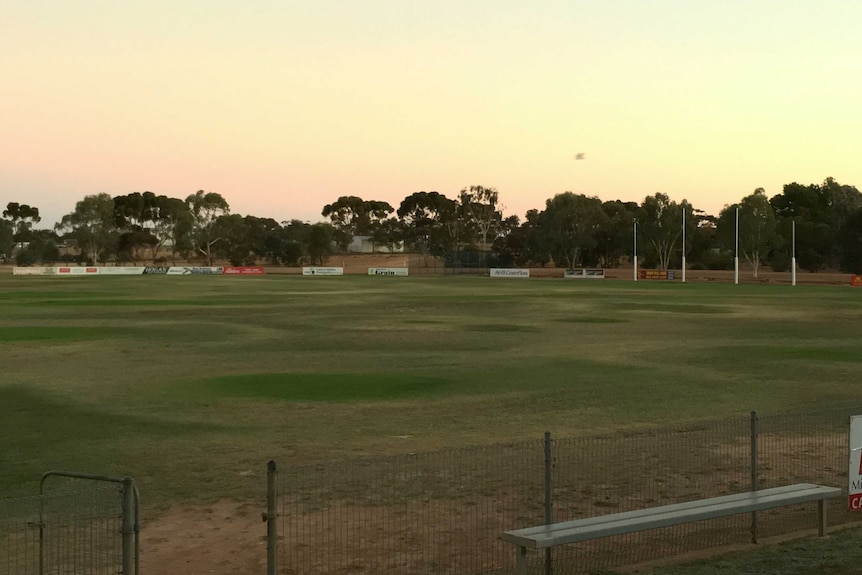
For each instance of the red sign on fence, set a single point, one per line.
(243, 271)
(856, 281)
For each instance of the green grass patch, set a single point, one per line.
(163, 377)
(327, 387)
(587, 319)
(838, 554)
(56, 334)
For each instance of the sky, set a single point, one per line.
(282, 106)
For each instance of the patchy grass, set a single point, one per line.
(838, 554)
(172, 377)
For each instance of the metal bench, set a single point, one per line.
(546, 536)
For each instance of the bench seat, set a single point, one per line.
(545, 536)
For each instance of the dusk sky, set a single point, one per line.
(281, 106)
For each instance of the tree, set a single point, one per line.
(320, 238)
(92, 226)
(430, 222)
(42, 247)
(135, 215)
(850, 240)
(811, 207)
(7, 240)
(265, 238)
(614, 236)
(205, 208)
(661, 226)
(22, 218)
(233, 244)
(295, 235)
(570, 223)
(352, 216)
(480, 214)
(388, 233)
(172, 226)
(757, 228)
(510, 244)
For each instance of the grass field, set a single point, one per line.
(190, 384)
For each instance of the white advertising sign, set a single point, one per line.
(121, 271)
(387, 271)
(75, 271)
(321, 271)
(584, 274)
(23, 271)
(854, 473)
(195, 270)
(510, 272)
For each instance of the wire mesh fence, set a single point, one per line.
(443, 512)
(439, 512)
(75, 527)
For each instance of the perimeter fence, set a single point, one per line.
(443, 512)
(79, 524)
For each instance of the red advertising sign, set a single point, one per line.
(856, 281)
(243, 271)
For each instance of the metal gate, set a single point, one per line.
(79, 524)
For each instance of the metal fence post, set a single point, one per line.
(271, 518)
(754, 472)
(129, 528)
(549, 502)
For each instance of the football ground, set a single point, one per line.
(190, 384)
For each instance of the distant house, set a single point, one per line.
(364, 245)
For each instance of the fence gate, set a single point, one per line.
(80, 524)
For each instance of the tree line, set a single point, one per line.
(573, 230)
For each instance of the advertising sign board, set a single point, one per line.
(387, 271)
(584, 273)
(510, 272)
(322, 271)
(243, 271)
(121, 271)
(655, 274)
(854, 472)
(195, 270)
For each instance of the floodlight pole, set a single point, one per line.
(736, 256)
(683, 245)
(635, 259)
(793, 255)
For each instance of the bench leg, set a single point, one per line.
(821, 512)
(521, 562)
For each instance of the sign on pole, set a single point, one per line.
(854, 472)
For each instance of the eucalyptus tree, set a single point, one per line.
(92, 226)
(22, 217)
(7, 240)
(430, 223)
(660, 224)
(757, 228)
(352, 216)
(205, 208)
(481, 214)
(570, 224)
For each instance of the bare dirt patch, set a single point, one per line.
(222, 538)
